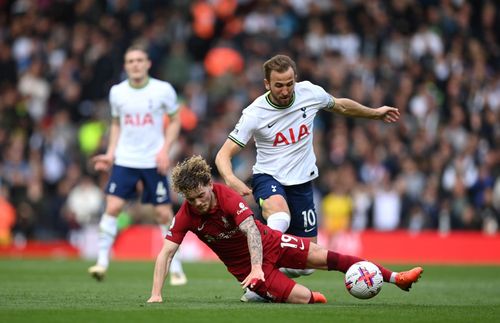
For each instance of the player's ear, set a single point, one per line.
(267, 84)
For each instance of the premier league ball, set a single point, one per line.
(363, 280)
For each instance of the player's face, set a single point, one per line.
(202, 198)
(137, 65)
(281, 86)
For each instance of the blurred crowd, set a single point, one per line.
(438, 61)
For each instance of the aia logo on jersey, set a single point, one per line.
(138, 120)
(292, 136)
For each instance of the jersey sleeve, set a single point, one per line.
(170, 100)
(179, 227)
(330, 103)
(326, 99)
(113, 102)
(244, 129)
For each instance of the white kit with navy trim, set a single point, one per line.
(284, 134)
(141, 112)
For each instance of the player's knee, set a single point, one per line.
(274, 204)
(164, 214)
(279, 221)
(114, 205)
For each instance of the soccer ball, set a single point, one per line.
(363, 280)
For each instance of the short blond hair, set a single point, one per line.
(191, 174)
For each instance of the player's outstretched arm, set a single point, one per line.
(161, 268)
(225, 168)
(352, 108)
(254, 241)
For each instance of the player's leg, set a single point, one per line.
(121, 186)
(108, 230)
(304, 220)
(303, 295)
(157, 192)
(271, 197)
(279, 288)
(321, 258)
(276, 213)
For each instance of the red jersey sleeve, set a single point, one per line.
(180, 225)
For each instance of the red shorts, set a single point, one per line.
(288, 251)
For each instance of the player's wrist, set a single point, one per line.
(230, 179)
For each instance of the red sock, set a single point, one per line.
(311, 300)
(340, 262)
(317, 297)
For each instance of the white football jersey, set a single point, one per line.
(141, 112)
(284, 135)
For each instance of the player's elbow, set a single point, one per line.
(222, 158)
(341, 106)
(218, 159)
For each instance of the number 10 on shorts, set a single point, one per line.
(309, 218)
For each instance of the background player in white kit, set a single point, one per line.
(281, 122)
(138, 151)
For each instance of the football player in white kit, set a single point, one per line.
(281, 123)
(138, 149)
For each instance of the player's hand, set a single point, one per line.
(388, 114)
(155, 299)
(102, 162)
(240, 187)
(162, 162)
(255, 277)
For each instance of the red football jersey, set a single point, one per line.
(219, 229)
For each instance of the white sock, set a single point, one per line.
(107, 233)
(175, 265)
(279, 221)
(393, 277)
(294, 273)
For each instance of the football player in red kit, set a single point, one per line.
(251, 251)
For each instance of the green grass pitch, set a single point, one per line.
(61, 291)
